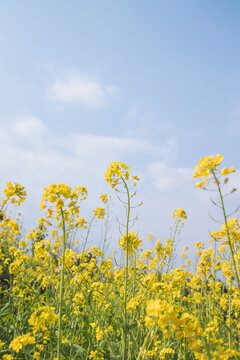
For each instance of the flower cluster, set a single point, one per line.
(60, 193)
(117, 171)
(132, 241)
(207, 166)
(180, 214)
(21, 341)
(99, 212)
(42, 319)
(15, 192)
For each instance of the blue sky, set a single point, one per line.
(154, 84)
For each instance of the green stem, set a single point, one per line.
(185, 348)
(229, 317)
(125, 353)
(236, 267)
(134, 274)
(107, 217)
(88, 232)
(61, 291)
(25, 354)
(145, 341)
(214, 281)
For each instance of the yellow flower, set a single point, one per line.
(96, 355)
(118, 171)
(99, 212)
(36, 355)
(133, 303)
(103, 198)
(21, 341)
(132, 240)
(99, 333)
(201, 183)
(206, 165)
(14, 190)
(180, 213)
(226, 171)
(81, 223)
(22, 243)
(7, 357)
(165, 351)
(42, 318)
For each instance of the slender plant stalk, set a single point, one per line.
(214, 281)
(134, 278)
(61, 291)
(145, 341)
(229, 318)
(235, 265)
(88, 232)
(125, 339)
(185, 348)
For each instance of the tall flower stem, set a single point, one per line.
(125, 351)
(235, 265)
(88, 232)
(61, 291)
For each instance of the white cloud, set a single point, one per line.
(165, 178)
(80, 88)
(76, 159)
(29, 127)
(4, 135)
(169, 150)
(108, 145)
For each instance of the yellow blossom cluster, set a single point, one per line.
(21, 341)
(207, 166)
(15, 192)
(99, 212)
(180, 214)
(104, 198)
(42, 319)
(130, 241)
(96, 355)
(116, 171)
(61, 193)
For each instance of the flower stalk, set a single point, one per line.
(61, 290)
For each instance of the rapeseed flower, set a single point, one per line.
(21, 341)
(132, 240)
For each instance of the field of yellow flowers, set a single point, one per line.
(59, 300)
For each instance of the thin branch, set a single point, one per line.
(211, 217)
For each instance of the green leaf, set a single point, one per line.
(6, 310)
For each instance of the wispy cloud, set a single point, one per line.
(29, 127)
(79, 88)
(167, 178)
(36, 157)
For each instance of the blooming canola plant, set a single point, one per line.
(60, 299)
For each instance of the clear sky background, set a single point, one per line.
(155, 84)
